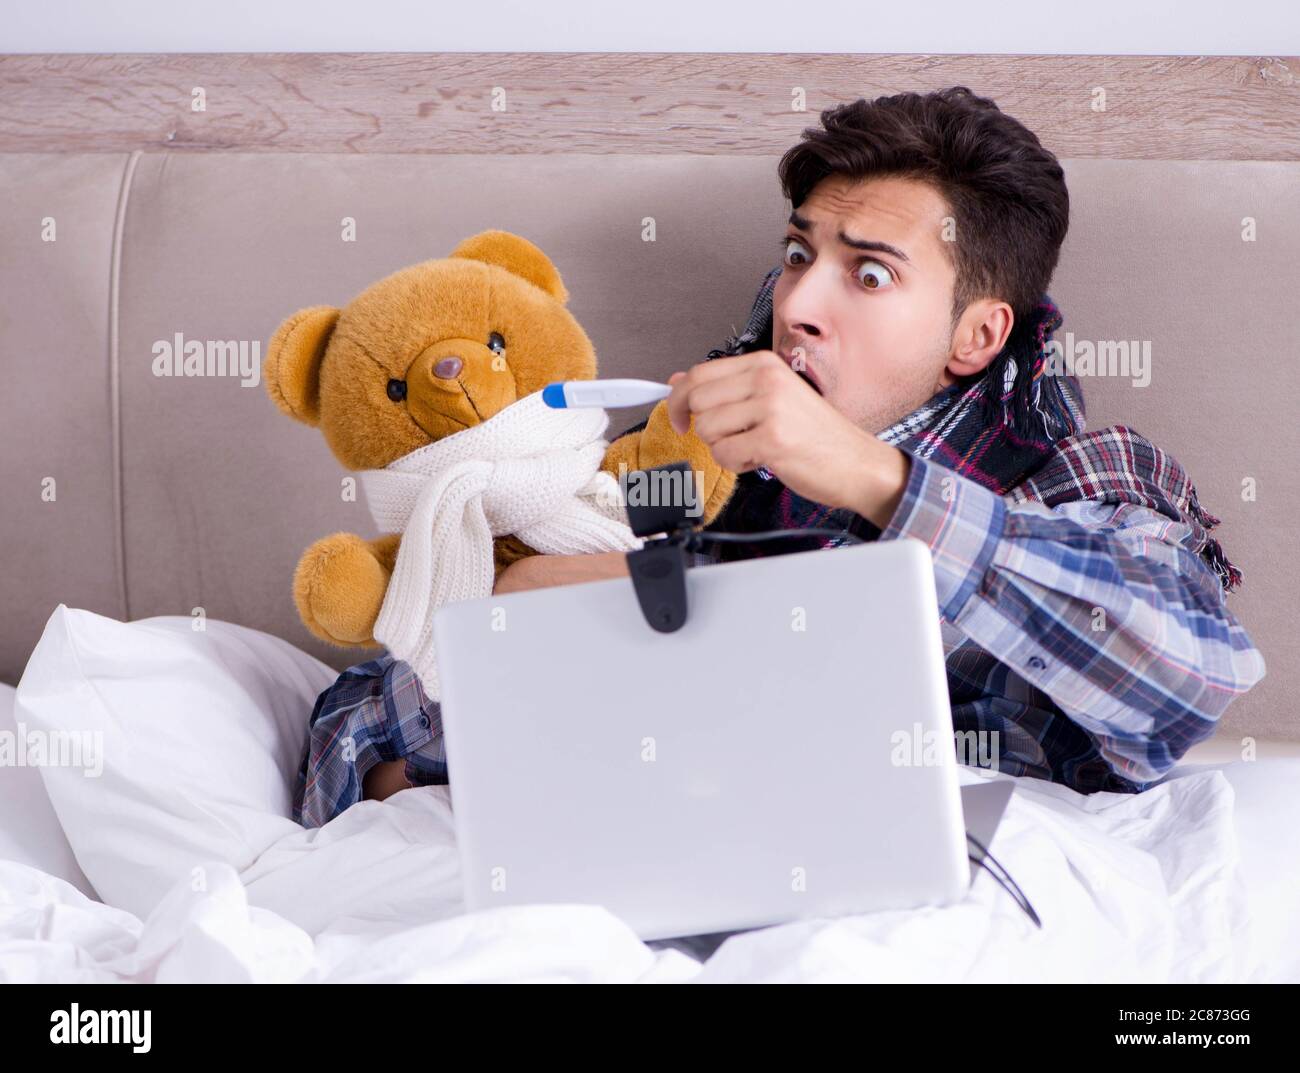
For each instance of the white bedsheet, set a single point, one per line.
(1130, 888)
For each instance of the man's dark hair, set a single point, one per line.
(1005, 191)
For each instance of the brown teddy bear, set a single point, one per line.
(429, 351)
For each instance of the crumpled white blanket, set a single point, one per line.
(1129, 887)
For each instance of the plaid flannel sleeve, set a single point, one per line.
(1103, 607)
(374, 712)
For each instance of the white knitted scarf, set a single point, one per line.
(529, 470)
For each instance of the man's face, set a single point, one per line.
(866, 294)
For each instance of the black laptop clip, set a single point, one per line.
(658, 568)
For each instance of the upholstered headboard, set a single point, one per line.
(171, 493)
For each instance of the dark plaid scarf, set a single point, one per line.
(1015, 428)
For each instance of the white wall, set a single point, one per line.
(1195, 27)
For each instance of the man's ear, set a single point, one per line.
(982, 331)
(293, 358)
(516, 255)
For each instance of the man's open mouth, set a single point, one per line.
(794, 360)
(809, 381)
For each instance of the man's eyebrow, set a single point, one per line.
(869, 245)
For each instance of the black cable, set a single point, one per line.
(769, 534)
(1008, 884)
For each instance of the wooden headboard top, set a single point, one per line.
(755, 104)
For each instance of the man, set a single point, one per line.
(893, 382)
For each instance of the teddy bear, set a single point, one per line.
(428, 352)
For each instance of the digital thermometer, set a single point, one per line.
(567, 394)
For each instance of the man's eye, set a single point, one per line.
(795, 249)
(874, 276)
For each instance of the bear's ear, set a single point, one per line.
(293, 359)
(516, 255)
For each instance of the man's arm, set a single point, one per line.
(1103, 607)
(541, 571)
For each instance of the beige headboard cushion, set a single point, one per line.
(180, 492)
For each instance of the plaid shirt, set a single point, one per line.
(375, 711)
(1087, 635)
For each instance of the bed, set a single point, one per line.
(178, 859)
(153, 602)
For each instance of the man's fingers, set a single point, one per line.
(737, 452)
(679, 414)
(679, 411)
(728, 418)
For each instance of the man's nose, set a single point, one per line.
(804, 309)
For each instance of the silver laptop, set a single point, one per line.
(787, 753)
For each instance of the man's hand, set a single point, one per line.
(754, 410)
(541, 571)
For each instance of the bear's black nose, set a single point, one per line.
(448, 368)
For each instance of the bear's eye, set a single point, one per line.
(496, 342)
(397, 390)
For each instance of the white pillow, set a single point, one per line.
(198, 735)
(29, 829)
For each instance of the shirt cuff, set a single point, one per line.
(410, 719)
(960, 521)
